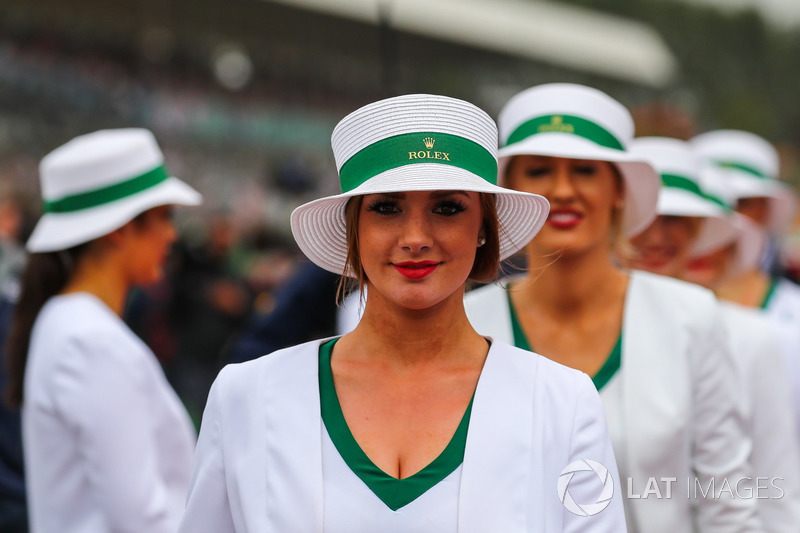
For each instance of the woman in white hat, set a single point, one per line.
(654, 346)
(107, 444)
(750, 167)
(693, 219)
(413, 421)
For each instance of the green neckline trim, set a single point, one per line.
(395, 493)
(610, 367)
(417, 147)
(565, 124)
(105, 195)
(773, 284)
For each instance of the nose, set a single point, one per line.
(170, 233)
(415, 235)
(563, 189)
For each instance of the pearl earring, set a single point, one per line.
(481, 241)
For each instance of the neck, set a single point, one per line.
(749, 289)
(97, 275)
(571, 284)
(410, 337)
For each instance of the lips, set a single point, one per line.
(416, 269)
(564, 219)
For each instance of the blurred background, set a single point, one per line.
(243, 96)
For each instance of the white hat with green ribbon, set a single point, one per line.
(755, 167)
(416, 142)
(750, 238)
(681, 192)
(96, 183)
(579, 122)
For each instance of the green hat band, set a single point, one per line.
(566, 124)
(744, 168)
(105, 195)
(414, 148)
(675, 181)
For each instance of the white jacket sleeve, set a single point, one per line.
(208, 507)
(596, 492)
(720, 444)
(106, 397)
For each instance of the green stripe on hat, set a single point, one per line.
(681, 182)
(566, 124)
(744, 168)
(675, 181)
(105, 195)
(417, 147)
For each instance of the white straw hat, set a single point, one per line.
(750, 238)
(681, 193)
(98, 182)
(755, 167)
(416, 142)
(578, 122)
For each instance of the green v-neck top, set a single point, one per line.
(600, 379)
(394, 492)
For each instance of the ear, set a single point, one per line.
(118, 236)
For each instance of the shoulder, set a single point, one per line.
(280, 365)
(551, 378)
(681, 299)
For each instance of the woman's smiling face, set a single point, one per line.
(583, 195)
(417, 248)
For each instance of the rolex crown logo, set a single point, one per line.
(428, 142)
(557, 120)
(556, 124)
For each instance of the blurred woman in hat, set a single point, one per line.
(655, 347)
(107, 443)
(696, 219)
(413, 421)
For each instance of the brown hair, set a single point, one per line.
(485, 268)
(45, 275)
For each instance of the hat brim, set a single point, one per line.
(781, 197)
(320, 230)
(716, 229)
(60, 231)
(642, 182)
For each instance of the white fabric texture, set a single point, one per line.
(775, 458)
(783, 311)
(108, 446)
(680, 407)
(259, 456)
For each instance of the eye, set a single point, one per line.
(449, 208)
(384, 207)
(536, 171)
(585, 169)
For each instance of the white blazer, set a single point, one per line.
(775, 457)
(258, 464)
(783, 311)
(108, 445)
(681, 404)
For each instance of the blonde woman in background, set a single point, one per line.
(655, 347)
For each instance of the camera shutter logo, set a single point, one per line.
(603, 478)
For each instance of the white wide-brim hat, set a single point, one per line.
(755, 166)
(681, 193)
(577, 122)
(98, 182)
(416, 142)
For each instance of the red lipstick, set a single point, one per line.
(564, 218)
(416, 269)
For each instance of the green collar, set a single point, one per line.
(603, 376)
(773, 284)
(395, 493)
